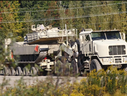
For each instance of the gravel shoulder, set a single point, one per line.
(29, 80)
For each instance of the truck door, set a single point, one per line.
(86, 44)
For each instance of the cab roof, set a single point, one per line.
(106, 30)
(88, 31)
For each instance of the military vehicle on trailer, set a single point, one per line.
(38, 50)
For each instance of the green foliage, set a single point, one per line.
(11, 8)
(88, 11)
(27, 25)
(86, 15)
(112, 82)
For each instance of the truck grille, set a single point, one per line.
(118, 60)
(117, 50)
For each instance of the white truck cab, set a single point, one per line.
(103, 48)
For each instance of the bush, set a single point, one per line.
(111, 81)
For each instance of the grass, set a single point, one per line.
(112, 82)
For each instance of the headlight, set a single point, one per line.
(108, 60)
(111, 60)
(125, 59)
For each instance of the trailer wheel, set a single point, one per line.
(6, 71)
(33, 71)
(37, 70)
(12, 71)
(95, 65)
(25, 71)
(9, 71)
(18, 71)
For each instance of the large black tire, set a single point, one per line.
(124, 67)
(38, 71)
(12, 71)
(18, 71)
(44, 72)
(78, 45)
(25, 71)
(74, 68)
(95, 65)
(33, 71)
(80, 64)
(6, 71)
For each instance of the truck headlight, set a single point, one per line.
(111, 60)
(125, 59)
(108, 60)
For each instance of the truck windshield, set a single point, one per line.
(98, 35)
(113, 35)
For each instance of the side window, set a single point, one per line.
(87, 38)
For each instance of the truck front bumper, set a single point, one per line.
(114, 60)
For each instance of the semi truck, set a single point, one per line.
(62, 52)
(100, 49)
(103, 48)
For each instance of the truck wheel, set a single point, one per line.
(12, 71)
(44, 73)
(18, 71)
(74, 67)
(124, 67)
(25, 71)
(33, 71)
(95, 65)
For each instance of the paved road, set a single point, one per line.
(33, 80)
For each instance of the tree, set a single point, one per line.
(35, 9)
(79, 23)
(63, 12)
(87, 10)
(93, 20)
(10, 17)
(52, 13)
(9, 29)
(27, 25)
(123, 18)
(70, 15)
(106, 20)
(115, 17)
